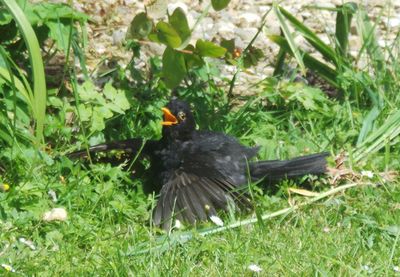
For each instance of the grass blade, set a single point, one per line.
(327, 73)
(285, 29)
(389, 131)
(163, 243)
(280, 61)
(343, 22)
(39, 82)
(310, 36)
(370, 41)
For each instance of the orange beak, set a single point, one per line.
(169, 118)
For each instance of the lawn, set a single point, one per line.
(343, 223)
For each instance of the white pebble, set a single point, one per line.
(249, 19)
(218, 221)
(393, 22)
(8, 268)
(178, 224)
(28, 243)
(255, 268)
(367, 173)
(52, 194)
(59, 214)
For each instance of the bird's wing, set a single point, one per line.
(129, 145)
(216, 154)
(190, 198)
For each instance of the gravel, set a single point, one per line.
(239, 20)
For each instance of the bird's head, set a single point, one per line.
(178, 120)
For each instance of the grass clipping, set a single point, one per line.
(165, 242)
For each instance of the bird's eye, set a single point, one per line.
(182, 116)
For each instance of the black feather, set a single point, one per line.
(273, 171)
(198, 172)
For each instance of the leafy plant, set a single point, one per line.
(338, 68)
(180, 57)
(27, 29)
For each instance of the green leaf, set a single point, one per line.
(87, 91)
(11, 80)
(311, 98)
(343, 22)
(153, 37)
(44, 12)
(37, 67)
(179, 22)
(209, 49)
(290, 40)
(370, 40)
(229, 45)
(60, 33)
(140, 26)
(326, 72)
(174, 68)
(167, 35)
(376, 140)
(368, 123)
(119, 101)
(280, 62)
(97, 121)
(192, 59)
(84, 112)
(309, 35)
(5, 17)
(104, 111)
(219, 4)
(252, 56)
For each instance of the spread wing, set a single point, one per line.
(216, 154)
(191, 198)
(129, 145)
(211, 170)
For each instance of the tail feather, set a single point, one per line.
(273, 171)
(128, 145)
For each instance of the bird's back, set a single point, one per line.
(215, 154)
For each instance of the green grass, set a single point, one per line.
(108, 230)
(340, 235)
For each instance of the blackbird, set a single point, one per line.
(199, 172)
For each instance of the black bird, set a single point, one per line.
(199, 172)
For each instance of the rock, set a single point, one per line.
(157, 9)
(382, 43)
(53, 196)
(263, 9)
(325, 38)
(56, 214)
(354, 42)
(249, 19)
(225, 29)
(153, 48)
(246, 34)
(393, 22)
(118, 36)
(100, 49)
(205, 30)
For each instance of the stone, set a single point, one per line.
(56, 214)
(249, 19)
(225, 29)
(246, 34)
(118, 36)
(393, 22)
